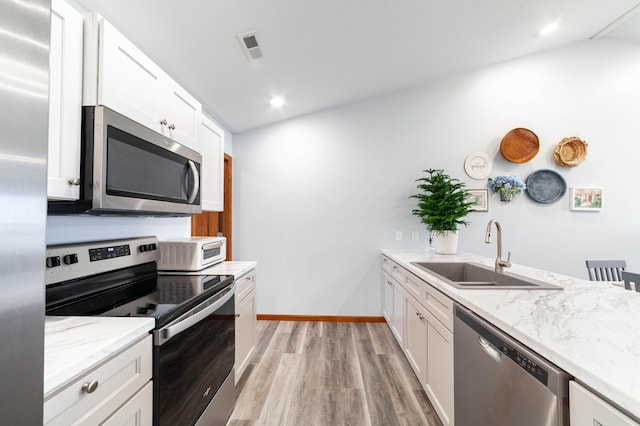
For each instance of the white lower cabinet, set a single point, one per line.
(117, 392)
(246, 322)
(587, 409)
(415, 341)
(422, 322)
(439, 368)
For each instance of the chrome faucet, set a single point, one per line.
(500, 262)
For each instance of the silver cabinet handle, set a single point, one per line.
(238, 315)
(74, 181)
(163, 121)
(172, 126)
(196, 182)
(90, 387)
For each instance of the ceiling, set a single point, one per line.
(323, 53)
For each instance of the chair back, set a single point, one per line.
(631, 278)
(606, 270)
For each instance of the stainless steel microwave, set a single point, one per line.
(129, 169)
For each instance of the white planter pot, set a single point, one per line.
(445, 242)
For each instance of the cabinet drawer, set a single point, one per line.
(118, 379)
(395, 270)
(386, 264)
(440, 306)
(244, 285)
(588, 409)
(413, 285)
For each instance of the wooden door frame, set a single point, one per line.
(211, 223)
(225, 215)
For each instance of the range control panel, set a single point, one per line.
(71, 261)
(109, 252)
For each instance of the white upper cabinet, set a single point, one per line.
(120, 76)
(65, 102)
(211, 141)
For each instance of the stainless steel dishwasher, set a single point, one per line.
(499, 381)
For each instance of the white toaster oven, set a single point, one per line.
(191, 253)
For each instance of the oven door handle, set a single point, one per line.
(167, 333)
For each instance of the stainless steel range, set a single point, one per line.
(194, 335)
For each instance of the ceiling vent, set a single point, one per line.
(250, 45)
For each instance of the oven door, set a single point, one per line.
(194, 356)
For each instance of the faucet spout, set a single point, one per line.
(500, 262)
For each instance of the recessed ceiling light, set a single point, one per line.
(548, 29)
(277, 101)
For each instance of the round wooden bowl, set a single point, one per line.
(519, 145)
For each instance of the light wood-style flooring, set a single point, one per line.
(329, 373)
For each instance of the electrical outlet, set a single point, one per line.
(415, 236)
(398, 235)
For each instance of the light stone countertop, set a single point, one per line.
(589, 329)
(237, 268)
(74, 345)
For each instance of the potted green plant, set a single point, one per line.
(442, 206)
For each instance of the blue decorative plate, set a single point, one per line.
(546, 186)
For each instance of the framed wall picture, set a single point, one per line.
(479, 198)
(586, 199)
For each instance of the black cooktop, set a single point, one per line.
(133, 292)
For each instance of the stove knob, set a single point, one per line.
(143, 248)
(53, 261)
(153, 246)
(70, 259)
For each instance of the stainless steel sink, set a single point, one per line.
(475, 276)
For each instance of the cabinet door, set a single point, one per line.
(387, 298)
(128, 81)
(138, 411)
(415, 338)
(397, 320)
(245, 332)
(116, 382)
(183, 113)
(588, 409)
(65, 102)
(439, 369)
(211, 140)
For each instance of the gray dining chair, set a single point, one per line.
(631, 278)
(606, 270)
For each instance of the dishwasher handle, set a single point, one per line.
(555, 379)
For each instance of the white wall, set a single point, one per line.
(71, 229)
(317, 197)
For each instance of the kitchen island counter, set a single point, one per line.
(589, 329)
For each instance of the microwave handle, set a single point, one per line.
(196, 182)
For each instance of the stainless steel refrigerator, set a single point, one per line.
(24, 100)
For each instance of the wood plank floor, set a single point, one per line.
(329, 373)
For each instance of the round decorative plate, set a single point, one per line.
(478, 165)
(546, 186)
(519, 145)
